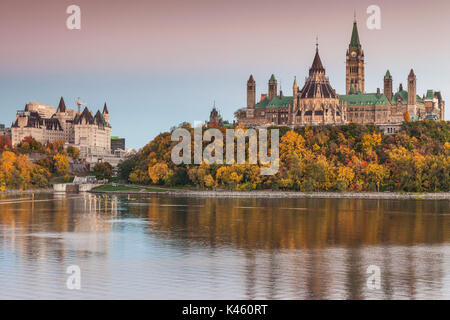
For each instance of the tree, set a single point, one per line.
(406, 116)
(5, 142)
(292, 143)
(125, 167)
(139, 176)
(376, 175)
(18, 172)
(345, 178)
(29, 145)
(73, 152)
(103, 170)
(197, 174)
(159, 173)
(209, 181)
(61, 163)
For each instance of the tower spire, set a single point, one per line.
(317, 63)
(317, 43)
(354, 41)
(354, 74)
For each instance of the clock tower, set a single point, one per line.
(354, 73)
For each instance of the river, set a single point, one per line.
(161, 247)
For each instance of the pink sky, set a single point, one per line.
(234, 33)
(207, 49)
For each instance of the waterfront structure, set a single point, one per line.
(89, 133)
(317, 103)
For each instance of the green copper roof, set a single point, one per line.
(404, 97)
(401, 94)
(388, 75)
(354, 42)
(272, 78)
(352, 89)
(363, 99)
(419, 100)
(276, 102)
(430, 95)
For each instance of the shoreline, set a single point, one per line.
(31, 191)
(261, 194)
(289, 194)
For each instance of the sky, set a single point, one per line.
(159, 63)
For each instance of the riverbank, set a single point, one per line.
(31, 191)
(135, 190)
(282, 194)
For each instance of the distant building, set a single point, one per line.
(4, 130)
(215, 119)
(117, 144)
(91, 134)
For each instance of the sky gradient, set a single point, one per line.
(158, 63)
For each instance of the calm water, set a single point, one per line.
(157, 247)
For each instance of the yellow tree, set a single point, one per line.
(291, 144)
(209, 181)
(376, 174)
(345, 177)
(2, 182)
(24, 167)
(158, 172)
(7, 164)
(61, 163)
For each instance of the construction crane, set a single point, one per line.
(80, 103)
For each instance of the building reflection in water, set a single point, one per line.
(255, 248)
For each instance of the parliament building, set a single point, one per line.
(317, 103)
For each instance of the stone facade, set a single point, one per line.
(317, 103)
(91, 134)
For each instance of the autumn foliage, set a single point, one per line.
(17, 171)
(323, 158)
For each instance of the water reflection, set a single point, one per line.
(175, 247)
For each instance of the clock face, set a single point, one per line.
(353, 54)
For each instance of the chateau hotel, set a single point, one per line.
(317, 103)
(91, 134)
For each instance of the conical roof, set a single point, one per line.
(61, 106)
(317, 65)
(105, 109)
(354, 41)
(352, 89)
(388, 75)
(87, 115)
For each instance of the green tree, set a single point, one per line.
(103, 170)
